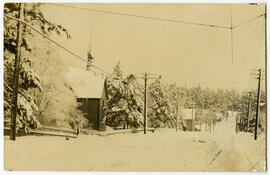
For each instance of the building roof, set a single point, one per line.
(85, 84)
(187, 114)
(233, 113)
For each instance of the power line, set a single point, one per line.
(231, 36)
(247, 21)
(142, 16)
(129, 15)
(53, 41)
(170, 20)
(156, 18)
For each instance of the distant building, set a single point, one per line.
(188, 116)
(263, 107)
(91, 92)
(233, 114)
(219, 116)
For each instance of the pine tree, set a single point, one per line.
(124, 106)
(29, 80)
(161, 110)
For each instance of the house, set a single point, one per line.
(91, 91)
(188, 116)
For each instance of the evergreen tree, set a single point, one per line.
(29, 80)
(162, 111)
(124, 105)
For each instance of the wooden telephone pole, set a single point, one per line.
(192, 115)
(177, 115)
(16, 76)
(178, 96)
(145, 104)
(248, 113)
(146, 77)
(258, 104)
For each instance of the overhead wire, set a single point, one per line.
(231, 28)
(155, 18)
(231, 36)
(55, 42)
(247, 21)
(256, 55)
(141, 16)
(137, 16)
(260, 46)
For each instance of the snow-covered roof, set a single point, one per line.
(187, 113)
(84, 83)
(233, 113)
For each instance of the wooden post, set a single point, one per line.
(213, 123)
(16, 77)
(145, 99)
(177, 115)
(258, 105)
(145, 103)
(248, 113)
(192, 117)
(236, 127)
(210, 127)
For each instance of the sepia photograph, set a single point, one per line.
(134, 87)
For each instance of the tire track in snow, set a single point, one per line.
(214, 158)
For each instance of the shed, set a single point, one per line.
(91, 92)
(188, 116)
(234, 114)
(263, 107)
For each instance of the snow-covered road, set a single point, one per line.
(238, 152)
(164, 150)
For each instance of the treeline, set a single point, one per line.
(126, 94)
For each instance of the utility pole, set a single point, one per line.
(192, 116)
(178, 95)
(16, 76)
(146, 77)
(177, 114)
(145, 104)
(258, 104)
(265, 55)
(248, 113)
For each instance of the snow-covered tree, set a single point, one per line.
(124, 106)
(162, 111)
(29, 80)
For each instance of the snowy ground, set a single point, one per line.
(164, 150)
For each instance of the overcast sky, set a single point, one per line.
(182, 53)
